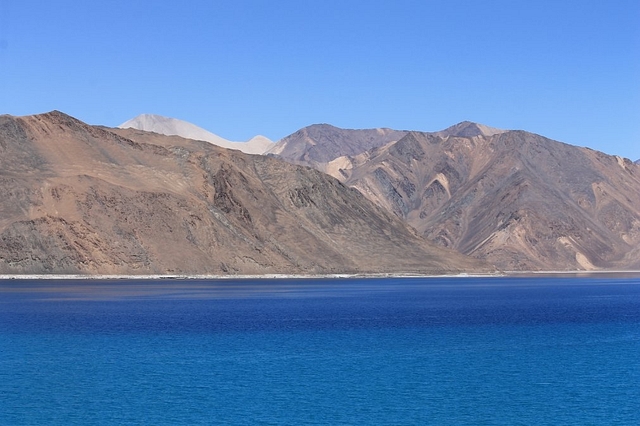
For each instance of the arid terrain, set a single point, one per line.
(512, 198)
(83, 199)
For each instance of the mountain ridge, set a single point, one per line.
(81, 199)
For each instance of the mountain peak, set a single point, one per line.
(170, 127)
(54, 115)
(144, 119)
(322, 143)
(175, 127)
(469, 129)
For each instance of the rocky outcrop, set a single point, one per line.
(76, 198)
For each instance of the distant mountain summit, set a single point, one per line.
(321, 143)
(174, 127)
(468, 129)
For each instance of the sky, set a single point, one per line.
(568, 70)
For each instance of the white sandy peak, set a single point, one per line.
(173, 126)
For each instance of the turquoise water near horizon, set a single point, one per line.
(494, 351)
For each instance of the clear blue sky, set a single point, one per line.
(569, 70)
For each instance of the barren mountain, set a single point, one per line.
(174, 127)
(515, 199)
(85, 199)
(318, 144)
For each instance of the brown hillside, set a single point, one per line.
(83, 199)
(515, 199)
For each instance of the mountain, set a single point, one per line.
(173, 126)
(318, 144)
(543, 208)
(76, 198)
(515, 199)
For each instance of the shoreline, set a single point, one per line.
(191, 277)
(188, 277)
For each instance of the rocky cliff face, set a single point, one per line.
(76, 198)
(515, 199)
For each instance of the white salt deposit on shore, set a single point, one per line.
(226, 277)
(303, 276)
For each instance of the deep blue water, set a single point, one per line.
(476, 351)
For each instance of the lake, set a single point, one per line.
(464, 351)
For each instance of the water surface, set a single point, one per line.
(355, 351)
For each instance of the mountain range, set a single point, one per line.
(162, 196)
(76, 198)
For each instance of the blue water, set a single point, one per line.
(475, 351)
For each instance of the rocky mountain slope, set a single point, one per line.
(76, 198)
(515, 199)
(174, 127)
